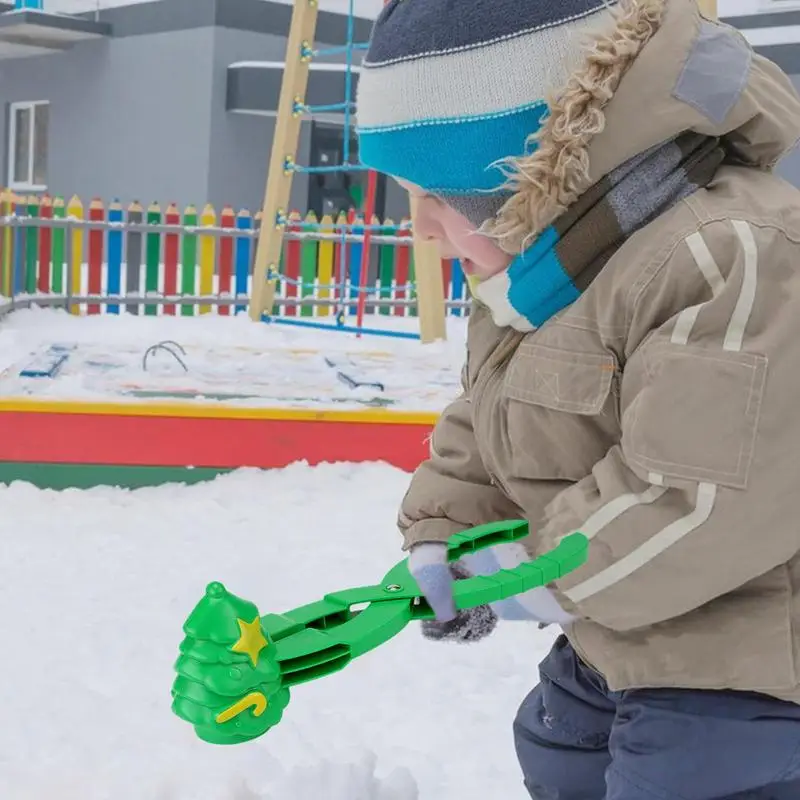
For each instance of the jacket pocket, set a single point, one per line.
(561, 411)
(697, 414)
(560, 380)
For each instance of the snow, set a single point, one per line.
(95, 585)
(229, 359)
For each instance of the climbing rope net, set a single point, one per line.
(350, 279)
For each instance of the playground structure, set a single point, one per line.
(289, 271)
(283, 166)
(270, 227)
(345, 279)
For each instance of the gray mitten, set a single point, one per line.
(428, 564)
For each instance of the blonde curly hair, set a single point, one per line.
(549, 180)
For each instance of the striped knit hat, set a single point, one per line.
(449, 87)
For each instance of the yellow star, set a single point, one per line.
(252, 640)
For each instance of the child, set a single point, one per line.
(633, 371)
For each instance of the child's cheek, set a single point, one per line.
(487, 254)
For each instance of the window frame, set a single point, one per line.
(14, 108)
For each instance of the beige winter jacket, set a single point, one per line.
(660, 413)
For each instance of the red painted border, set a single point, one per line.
(204, 442)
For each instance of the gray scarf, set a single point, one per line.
(567, 256)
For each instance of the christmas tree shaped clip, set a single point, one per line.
(228, 667)
(235, 668)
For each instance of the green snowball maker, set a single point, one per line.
(235, 666)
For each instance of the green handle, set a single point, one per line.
(235, 668)
(568, 555)
(494, 533)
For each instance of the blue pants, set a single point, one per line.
(576, 740)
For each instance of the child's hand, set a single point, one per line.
(428, 564)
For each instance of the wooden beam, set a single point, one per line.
(708, 8)
(284, 147)
(430, 285)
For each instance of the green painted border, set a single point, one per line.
(86, 476)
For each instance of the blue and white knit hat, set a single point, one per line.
(450, 87)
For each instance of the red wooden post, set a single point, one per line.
(227, 220)
(172, 216)
(292, 272)
(447, 276)
(45, 245)
(96, 214)
(402, 269)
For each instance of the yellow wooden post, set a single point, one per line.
(284, 149)
(209, 219)
(325, 261)
(708, 8)
(5, 210)
(430, 285)
(75, 210)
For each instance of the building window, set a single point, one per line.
(337, 191)
(27, 145)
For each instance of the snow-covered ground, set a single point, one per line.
(228, 359)
(94, 588)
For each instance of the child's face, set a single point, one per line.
(457, 237)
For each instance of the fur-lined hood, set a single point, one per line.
(662, 70)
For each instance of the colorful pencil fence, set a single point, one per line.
(107, 259)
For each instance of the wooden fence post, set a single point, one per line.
(94, 281)
(207, 246)
(152, 257)
(75, 283)
(708, 8)
(244, 222)
(227, 219)
(172, 216)
(59, 247)
(31, 246)
(325, 272)
(189, 259)
(115, 245)
(45, 245)
(7, 209)
(430, 290)
(133, 257)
